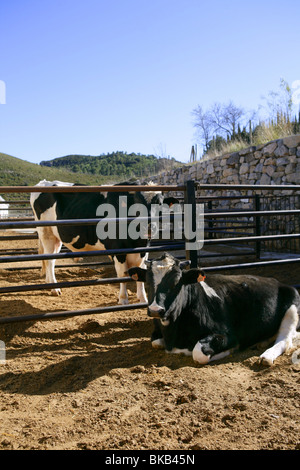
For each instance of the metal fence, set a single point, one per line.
(230, 227)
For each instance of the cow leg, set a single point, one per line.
(135, 259)
(121, 269)
(50, 245)
(284, 340)
(141, 293)
(41, 252)
(211, 348)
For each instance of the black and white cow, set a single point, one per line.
(209, 316)
(58, 206)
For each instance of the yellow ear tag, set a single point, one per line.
(200, 278)
(135, 277)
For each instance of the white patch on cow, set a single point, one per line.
(53, 183)
(199, 356)
(160, 268)
(284, 340)
(105, 193)
(158, 343)
(75, 239)
(155, 307)
(185, 351)
(87, 247)
(135, 259)
(209, 291)
(121, 269)
(34, 196)
(49, 214)
(149, 195)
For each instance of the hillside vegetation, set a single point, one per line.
(113, 165)
(17, 172)
(80, 169)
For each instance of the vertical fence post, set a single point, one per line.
(257, 226)
(210, 221)
(190, 198)
(297, 224)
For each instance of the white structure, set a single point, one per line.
(3, 209)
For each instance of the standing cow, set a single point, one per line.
(58, 206)
(209, 316)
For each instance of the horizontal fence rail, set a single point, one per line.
(9, 259)
(248, 187)
(72, 313)
(79, 254)
(94, 221)
(89, 189)
(65, 284)
(257, 264)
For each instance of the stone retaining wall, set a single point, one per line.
(277, 162)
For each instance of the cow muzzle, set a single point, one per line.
(155, 310)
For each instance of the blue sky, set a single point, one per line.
(95, 76)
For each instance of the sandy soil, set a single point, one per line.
(94, 382)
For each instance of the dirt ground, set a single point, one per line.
(94, 382)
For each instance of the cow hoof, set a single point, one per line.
(56, 292)
(265, 361)
(123, 301)
(199, 356)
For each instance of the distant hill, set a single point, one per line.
(105, 169)
(115, 165)
(17, 172)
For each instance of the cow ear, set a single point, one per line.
(137, 274)
(170, 201)
(192, 276)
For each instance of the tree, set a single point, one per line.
(226, 118)
(219, 121)
(204, 126)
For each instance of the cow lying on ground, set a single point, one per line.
(209, 316)
(58, 206)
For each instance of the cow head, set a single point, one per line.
(157, 197)
(164, 278)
